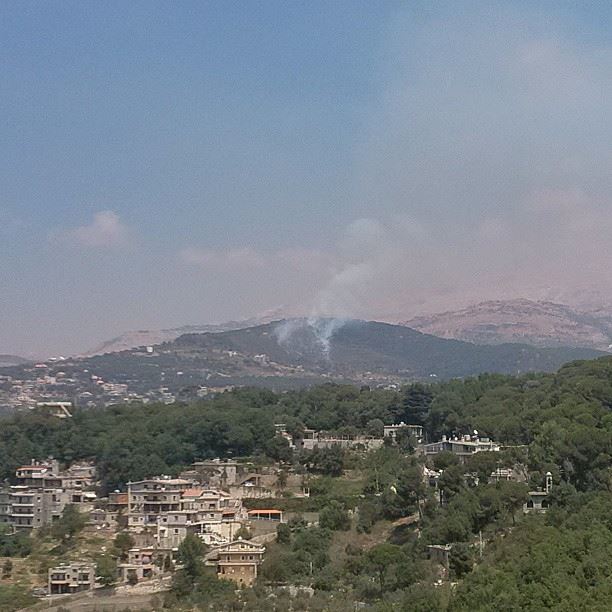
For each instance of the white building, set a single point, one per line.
(462, 447)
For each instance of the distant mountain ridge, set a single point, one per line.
(543, 324)
(538, 323)
(150, 337)
(282, 355)
(7, 361)
(355, 348)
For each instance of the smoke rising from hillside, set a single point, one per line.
(493, 135)
(458, 153)
(291, 333)
(485, 174)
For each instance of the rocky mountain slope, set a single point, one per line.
(543, 324)
(150, 337)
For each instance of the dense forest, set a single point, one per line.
(500, 559)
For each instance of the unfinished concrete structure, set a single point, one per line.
(71, 578)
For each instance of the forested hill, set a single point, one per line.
(566, 416)
(559, 423)
(11, 360)
(350, 348)
(288, 354)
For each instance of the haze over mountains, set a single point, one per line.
(545, 324)
(280, 355)
(314, 348)
(149, 337)
(11, 360)
(354, 348)
(538, 323)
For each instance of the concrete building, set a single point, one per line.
(503, 474)
(239, 561)
(71, 578)
(215, 473)
(538, 501)
(31, 508)
(60, 410)
(5, 506)
(462, 447)
(47, 474)
(312, 439)
(168, 509)
(440, 553)
(79, 476)
(117, 504)
(281, 430)
(43, 491)
(140, 565)
(149, 499)
(39, 474)
(390, 431)
(211, 514)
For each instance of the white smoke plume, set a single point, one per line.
(366, 251)
(324, 330)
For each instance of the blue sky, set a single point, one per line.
(171, 163)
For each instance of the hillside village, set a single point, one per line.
(305, 306)
(281, 355)
(233, 507)
(279, 501)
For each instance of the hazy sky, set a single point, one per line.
(167, 163)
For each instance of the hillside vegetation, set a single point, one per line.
(351, 348)
(559, 422)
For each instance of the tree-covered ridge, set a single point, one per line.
(352, 347)
(281, 355)
(377, 515)
(560, 562)
(564, 418)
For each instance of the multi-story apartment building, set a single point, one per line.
(42, 493)
(5, 506)
(39, 474)
(149, 499)
(31, 508)
(170, 508)
(47, 474)
(239, 561)
(71, 578)
(213, 515)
